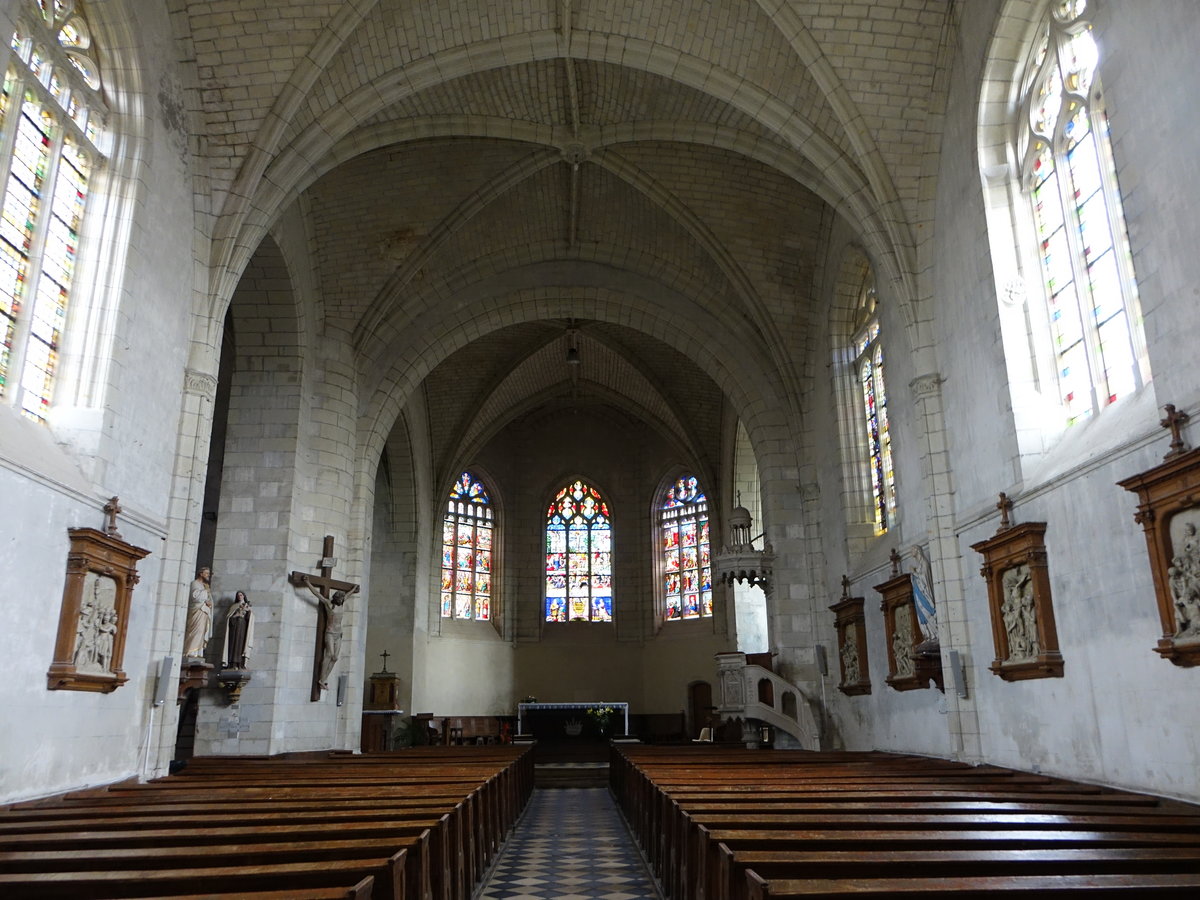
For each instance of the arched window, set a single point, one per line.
(51, 137)
(578, 556)
(687, 566)
(468, 551)
(1068, 173)
(868, 365)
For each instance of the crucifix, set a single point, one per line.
(332, 595)
(895, 560)
(1005, 505)
(1174, 421)
(111, 509)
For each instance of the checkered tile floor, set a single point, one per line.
(571, 844)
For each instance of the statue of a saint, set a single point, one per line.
(333, 629)
(199, 617)
(239, 632)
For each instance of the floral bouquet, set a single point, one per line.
(602, 717)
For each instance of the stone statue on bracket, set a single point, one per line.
(199, 617)
(239, 632)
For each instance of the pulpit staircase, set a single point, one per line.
(757, 696)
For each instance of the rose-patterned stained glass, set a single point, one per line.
(686, 551)
(1086, 265)
(578, 556)
(51, 119)
(468, 529)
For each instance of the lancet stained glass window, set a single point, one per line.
(868, 351)
(1068, 172)
(578, 556)
(686, 555)
(51, 125)
(468, 551)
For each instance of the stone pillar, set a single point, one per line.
(953, 627)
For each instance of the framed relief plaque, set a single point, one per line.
(1169, 513)
(1018, 585)
(101, 573)
(851, 626)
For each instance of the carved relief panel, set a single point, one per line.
(89, 650)
(1018, 584)
(901, 632)
(1169, 513)
(852, 646)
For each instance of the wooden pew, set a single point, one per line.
(784, 865)
(388, 873)
(393, 825)
(706, 818)
(1027, 887)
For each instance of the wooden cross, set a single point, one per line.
(385, 655)
(845, 587)
(895, 558)
(325, 584)
(1174, 421)
(1004, 505)
(111, 508)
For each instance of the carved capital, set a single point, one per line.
(1144, 516)
(926, 386)
(200, 383)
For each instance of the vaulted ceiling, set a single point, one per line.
(508, 169)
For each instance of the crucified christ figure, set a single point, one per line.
(333, 629)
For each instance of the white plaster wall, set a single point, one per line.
(118, 438)
(1120, 714)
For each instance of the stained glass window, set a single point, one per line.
(686, 555)
(868, 351)
(50, 119)
(468, 551)
(578, 556)
(1083, 250)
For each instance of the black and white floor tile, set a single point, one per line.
(571, 844)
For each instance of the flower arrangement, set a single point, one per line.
(602, 717)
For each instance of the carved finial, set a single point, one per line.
(1004, 505)
(385, 655)
(845, 587)
(111, 508)
(895, 558)
(739, 495)
(1174, 421)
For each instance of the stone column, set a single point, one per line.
(953, 626)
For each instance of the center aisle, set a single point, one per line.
(570, 844)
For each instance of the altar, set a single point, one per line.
(527, 710)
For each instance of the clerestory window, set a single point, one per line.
(52, 138)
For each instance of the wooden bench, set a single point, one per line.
(731, 883)
(812, 824)
(1027, 887)
(419, 827)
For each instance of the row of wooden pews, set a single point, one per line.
(734, 824)
(418, 824)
